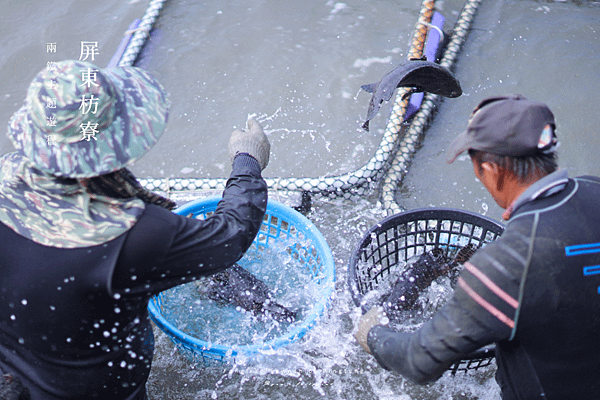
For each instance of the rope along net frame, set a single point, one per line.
(396, 148)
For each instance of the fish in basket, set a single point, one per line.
(240, 288)
(419, 275)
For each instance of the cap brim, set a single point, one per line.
(458, 145)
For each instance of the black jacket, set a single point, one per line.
(74, 322)
(535, 291)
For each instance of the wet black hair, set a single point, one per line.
(524, 168)
(122, 184)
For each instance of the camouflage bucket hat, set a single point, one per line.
(79, 121)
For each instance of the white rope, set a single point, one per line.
(141, 33)
(408, 146)
(356, 183)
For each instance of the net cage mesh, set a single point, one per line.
(286, 230)
(403, 236)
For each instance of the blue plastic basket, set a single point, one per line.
(303, 242)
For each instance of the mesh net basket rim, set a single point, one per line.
(297, 222)
(460, 217)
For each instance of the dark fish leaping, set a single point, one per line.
(422, 75)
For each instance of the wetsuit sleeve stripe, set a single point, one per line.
(491, 285)
(487, 306)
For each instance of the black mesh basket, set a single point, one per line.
(403, 236)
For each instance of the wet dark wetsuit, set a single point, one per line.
(74, 322)
(535, 292)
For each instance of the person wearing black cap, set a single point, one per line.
(535, 291)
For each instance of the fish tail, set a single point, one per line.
(370, 88)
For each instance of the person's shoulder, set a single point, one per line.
(516, 239)
(588, 178)
(522, 220)
(160, 216)
(167, 221)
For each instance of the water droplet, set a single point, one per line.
(123, 364)
(69, 340)
(106, 333)
(24, 302)
(13, 317)
(52, 308)
(116, 296)
(117, 310)
(133, 277)
(110, 363)
(21, 340)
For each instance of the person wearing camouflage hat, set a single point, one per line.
(84, 246)
(535, 291)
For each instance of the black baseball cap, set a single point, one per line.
(507, 126)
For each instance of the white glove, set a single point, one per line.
(254, 142)
(375, 316)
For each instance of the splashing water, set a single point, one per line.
(327, 362)
(291, 285)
